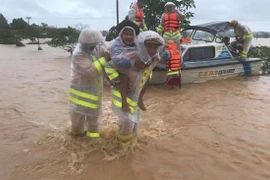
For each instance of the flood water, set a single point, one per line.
(214, 130)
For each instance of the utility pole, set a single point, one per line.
(117, 12)
(28, 19)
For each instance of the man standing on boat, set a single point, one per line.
(243, 36)
(170, 23)
(136, 14)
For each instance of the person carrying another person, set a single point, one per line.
(172, 56)
(170, 23)
(138, 75)
(243, 36)
(87, 70)
(136, 14)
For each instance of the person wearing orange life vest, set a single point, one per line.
(172, 56)
(136, 14)
(170, 23)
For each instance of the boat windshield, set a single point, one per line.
(200, 35)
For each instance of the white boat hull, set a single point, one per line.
(204, 74)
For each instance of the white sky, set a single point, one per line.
(101, 14)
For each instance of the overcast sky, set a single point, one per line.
(101, 14)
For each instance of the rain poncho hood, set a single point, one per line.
(146, 36)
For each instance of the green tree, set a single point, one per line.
(112, 34)
(154, 9)
(7, 36)
(262, 52)
(65, 38)
(35, 33)
(18, 24)
(3, 22)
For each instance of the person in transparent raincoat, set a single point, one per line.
(123, 54)
(147, 43)
(87, 69)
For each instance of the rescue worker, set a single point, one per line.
(172, 56)
(170, 23)
(87, 69)
(243, 36)
(136, 14)
(147, 44)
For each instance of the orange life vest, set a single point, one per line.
(171, 22)
(174, 64)
(139, 16)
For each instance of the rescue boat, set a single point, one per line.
(205, 56)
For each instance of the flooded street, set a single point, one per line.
(215, 130)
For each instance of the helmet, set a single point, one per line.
(169, 4)
(234, 23)
(90, 36)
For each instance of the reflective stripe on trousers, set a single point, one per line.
(92, 135)
(243, 54)
(117, 101)
(125, 140)
(171, 34)
(169, 72)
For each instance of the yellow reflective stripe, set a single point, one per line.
(248, 35)
(167, 36)
(102, 61)
(243, 54)
(125, 144)
(172, 72)
(136, 22)
(151, 75)
(160, 28)
(145, 74)
(99, 85)
(113, 73)
(119, 104)
(110, 70)
(129, 101)
(98, 67)
(83, 103)
(125, 137)
(84, 95)
(92, 135)
(113, 76)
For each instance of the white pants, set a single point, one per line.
(80, 121)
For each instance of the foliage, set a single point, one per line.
(112, 34)
(262, 52)
(18, 24)
(3, 22)
(154, 9)
(64, 38)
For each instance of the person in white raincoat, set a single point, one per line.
(87, 69)
(147, 44)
